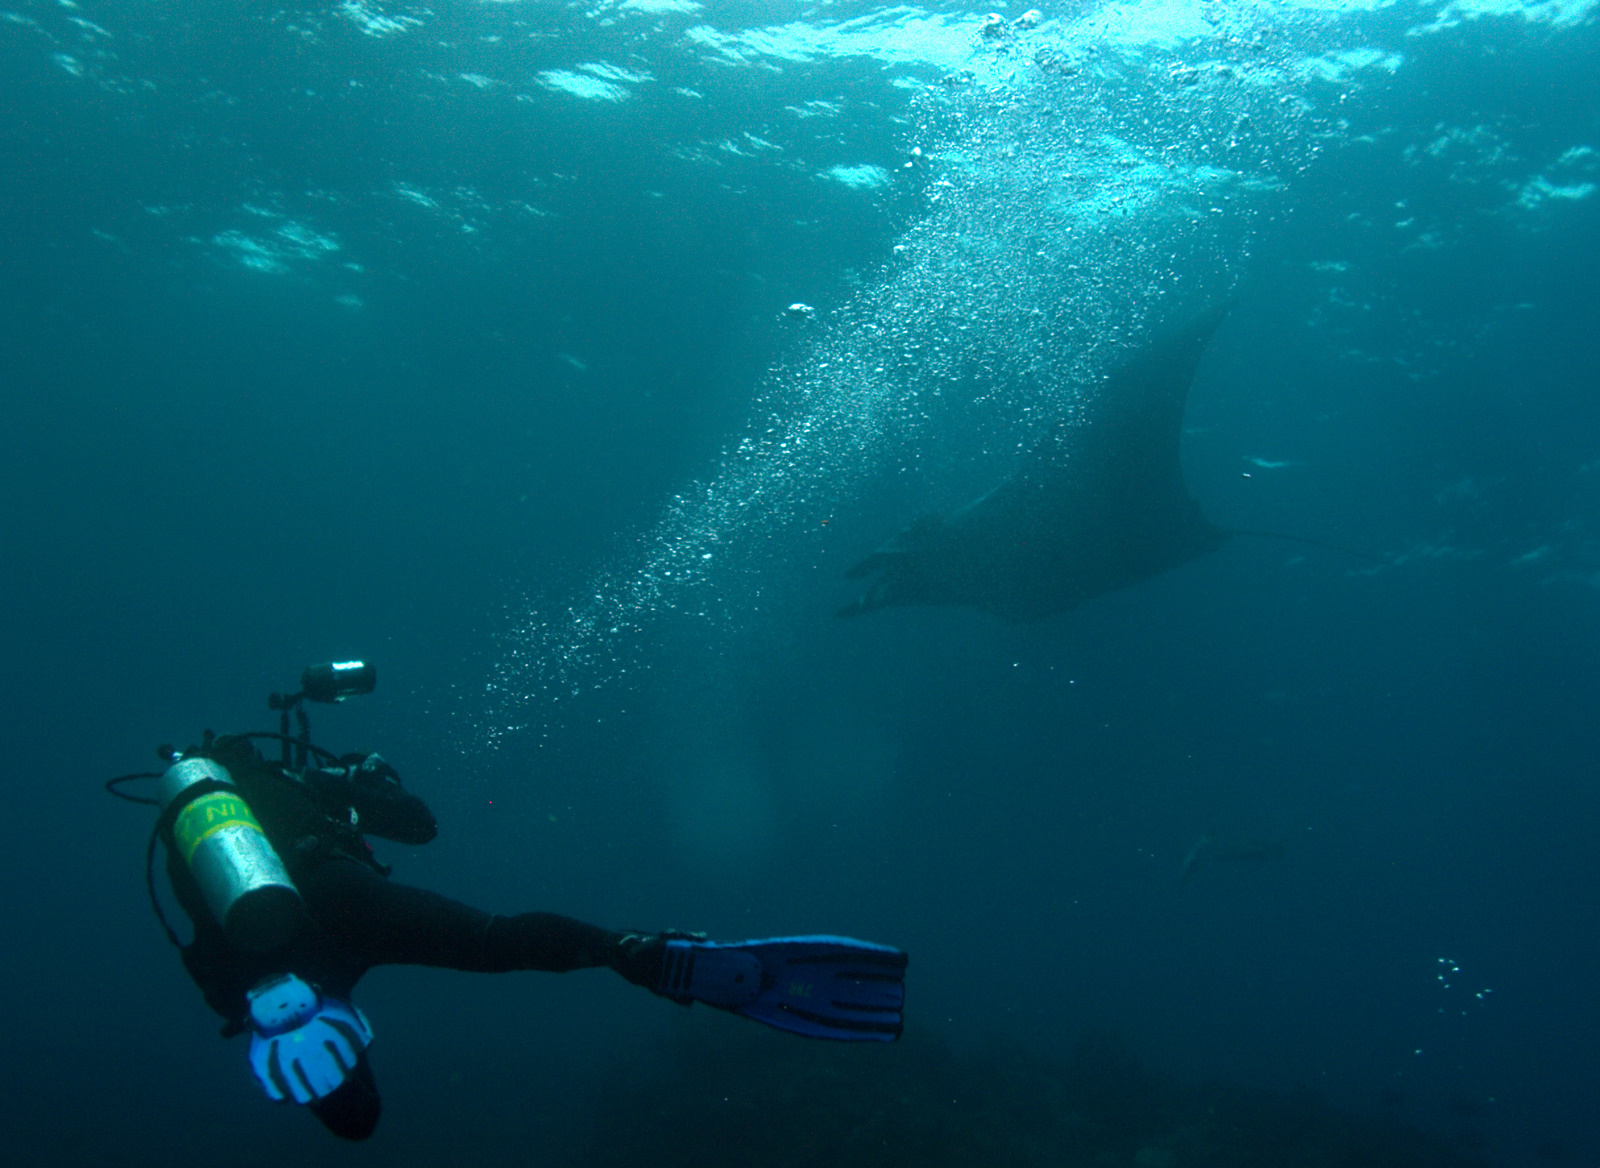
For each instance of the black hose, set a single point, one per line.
(291, 740)
(113, 784)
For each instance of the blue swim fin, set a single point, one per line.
(821, 987)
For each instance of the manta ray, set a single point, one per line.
(1098, 504)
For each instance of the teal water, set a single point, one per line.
(459, 338)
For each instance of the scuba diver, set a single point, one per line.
(290, 908)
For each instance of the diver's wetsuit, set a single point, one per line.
(357, 918)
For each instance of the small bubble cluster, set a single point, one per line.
(1449, 971)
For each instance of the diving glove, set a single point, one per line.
(302, 1045)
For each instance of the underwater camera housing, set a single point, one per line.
(328, 683)
(338, 680)
(332, 682)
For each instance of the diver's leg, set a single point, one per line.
(352, 1111)
(380, 922)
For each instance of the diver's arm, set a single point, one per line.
(383, 807)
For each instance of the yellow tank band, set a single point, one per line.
(206, 816)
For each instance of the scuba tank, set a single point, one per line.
(207, 823)
(212, 830)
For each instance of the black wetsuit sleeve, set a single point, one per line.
(394, 814)
(383, 807)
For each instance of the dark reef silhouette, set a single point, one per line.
(720, 1097)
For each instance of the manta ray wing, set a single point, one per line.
(1098, 504)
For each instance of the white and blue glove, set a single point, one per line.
(302, 1045)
